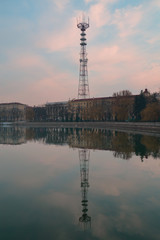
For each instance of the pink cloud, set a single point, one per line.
(110, 57)
(56, 87)
(38, 81)
(154, 39)
(99, 14)
(120, 65)
(61, 40)
(149, 78)
(89, 1)
(105, 2)
(156, 3)
(28, 60)
(127, 19)
(60, 4)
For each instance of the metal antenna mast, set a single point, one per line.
(84, 155)
(83, 88)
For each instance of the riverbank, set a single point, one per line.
(132, 126)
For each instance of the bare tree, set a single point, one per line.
(122, 93)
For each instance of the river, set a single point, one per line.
(89, 184)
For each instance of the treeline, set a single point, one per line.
(143, 107)
(122, 106)
(147, 108)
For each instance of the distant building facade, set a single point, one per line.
(39, 113)
(57, 111)
(120, 107)
(12, 112)
(101, 109)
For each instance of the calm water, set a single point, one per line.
(78, 184)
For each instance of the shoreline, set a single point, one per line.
(128, 126)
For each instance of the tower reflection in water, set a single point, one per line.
(84, 155)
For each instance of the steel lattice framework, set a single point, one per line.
(83, 88)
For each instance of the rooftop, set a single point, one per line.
(15, 103)
(53, 103)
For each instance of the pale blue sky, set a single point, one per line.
(39, 48)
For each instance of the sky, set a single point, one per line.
(40, 46)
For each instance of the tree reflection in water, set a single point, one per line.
(124, 145)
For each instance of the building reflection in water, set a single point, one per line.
(84, 155)
(12, 135)
(123, 145)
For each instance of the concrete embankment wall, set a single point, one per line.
(132, 126)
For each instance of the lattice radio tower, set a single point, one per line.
(83, 88)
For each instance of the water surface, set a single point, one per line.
(78, 184)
